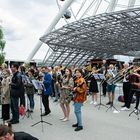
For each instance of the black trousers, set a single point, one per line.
(45, 101)
(132, 91)
(53, 90)
(104, 85)
(5, 112)
(22, 99)
(137, 99)
(126, 92)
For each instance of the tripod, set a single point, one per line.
(112, 106)
(136, 111)
(41, 117)
(100, 103)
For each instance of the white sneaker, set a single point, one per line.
(95, 103)
(91, 102)
(136, 110)
(125, 109)
(116, 111)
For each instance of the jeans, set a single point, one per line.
(31, 99)
(15, 108)
(77, 111)
(57, 91)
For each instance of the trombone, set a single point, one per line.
(138, 69)
(119, 76)
(91, 74)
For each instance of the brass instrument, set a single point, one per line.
(134, 71)
(92, 73)
(119, 76)
(107, 76)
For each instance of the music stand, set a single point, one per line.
(112, 106)
(136, 111)
(39, 86)
(100, 77)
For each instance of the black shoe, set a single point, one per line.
(46, 113)
(111, 103)
(108, 103)
(14, 122)
(75, 125)
(123, 106)
(27, 110)
(10, 120)
(79, 128)
(31, 111)
(55, 100)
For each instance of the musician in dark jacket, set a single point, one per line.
(104, 71)
(16, 87)
(134, 79)
(93, 87)
(22, 94)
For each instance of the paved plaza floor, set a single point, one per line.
(98, 124)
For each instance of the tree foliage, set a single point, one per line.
(2, 45)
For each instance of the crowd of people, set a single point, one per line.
(64, 85)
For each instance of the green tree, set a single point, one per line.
(2, 45)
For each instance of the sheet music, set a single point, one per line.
(37, 85)
(25, 79)
(96, 76)
(99, 76)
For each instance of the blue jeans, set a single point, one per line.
(15, 108)
(77, 111)
(31, 99)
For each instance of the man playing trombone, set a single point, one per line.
(126, 85)
(134, 80)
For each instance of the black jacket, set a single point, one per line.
(16, 85)
(23, 136)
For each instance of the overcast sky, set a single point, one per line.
(24, 22)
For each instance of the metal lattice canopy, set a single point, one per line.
(100, 36)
